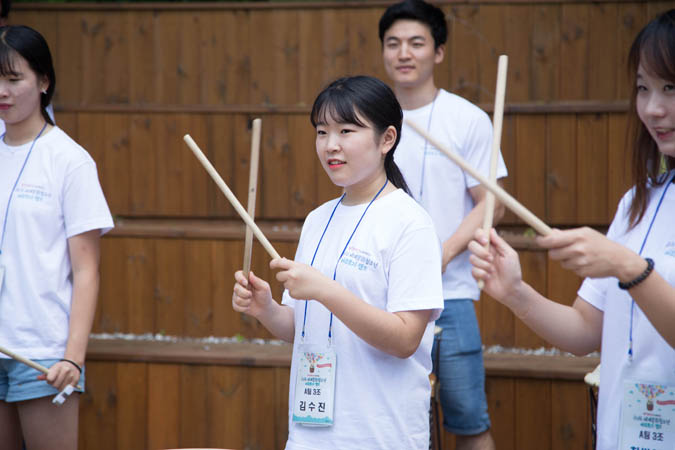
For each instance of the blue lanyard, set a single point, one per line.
(426, 143)
(16, 183)
(330, 326)
(644, 241)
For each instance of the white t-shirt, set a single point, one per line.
(381, 401)
(439, 184)
(653, 357)
(57, 197)
(50, 111)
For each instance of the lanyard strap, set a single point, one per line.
(644, 241)
(426, 143)
(330, 325)
(16, 183)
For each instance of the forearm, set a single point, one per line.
(82, 311)
(397, 334)
(563, 326)
(459, 240)
(656, 299)
(279, 320)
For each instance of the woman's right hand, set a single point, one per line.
(498, 267)
(252, 296)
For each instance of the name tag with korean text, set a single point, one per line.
(315, 387)
(647, 416)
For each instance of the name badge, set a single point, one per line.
(315, 387)
(647, 417)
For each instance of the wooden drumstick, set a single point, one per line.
(503, 196)
(497, 117)
(28, 362)
(252, 189)
(230, 196)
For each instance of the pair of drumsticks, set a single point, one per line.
(494, 190)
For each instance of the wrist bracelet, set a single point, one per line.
(77, 366)
(640, 278)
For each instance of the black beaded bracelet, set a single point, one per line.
(641, 277)
(77, 366)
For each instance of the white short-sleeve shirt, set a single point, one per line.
(653, 357)
(392, 262)
(439, 184)
(58, 196)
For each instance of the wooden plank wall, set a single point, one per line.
(136, 405)
(133, 78)
(150, 405)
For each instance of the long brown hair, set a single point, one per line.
(654, 48)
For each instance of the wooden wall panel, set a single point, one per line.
(567, 168)
(530, 164)
(132, 405)
(178, 287)
(98, 408)
(253, 55)
(569, 421)
(561, 170)
(591, 159)
(226, 406)
(545, 53)
(518, 45)
(184, 287)
(619, 161)
(500, 394)
(144, 405)
(533, 406)
(163, 417)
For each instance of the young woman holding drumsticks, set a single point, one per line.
(364, 288)
(52, 212)
(626, 305)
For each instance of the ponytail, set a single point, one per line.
(394, 173)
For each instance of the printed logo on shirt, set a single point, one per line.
(359, 260)
(34, 192)
(670, 249)
(430, 150)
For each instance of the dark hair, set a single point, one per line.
(654, 48)
(420, 11)
(5, 5)
(29, 44)
(347, 98)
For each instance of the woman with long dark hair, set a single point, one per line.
(626, 305)
(52, 212)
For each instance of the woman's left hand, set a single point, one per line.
(302, 281)
(61, 375)
(587, 252)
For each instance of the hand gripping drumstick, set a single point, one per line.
(230, 196)
(503, 196)
(61, 397)
(252, 187)
(497, 117)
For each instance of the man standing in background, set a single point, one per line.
(413, 35)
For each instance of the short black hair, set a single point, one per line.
(420, 11)
(346, 98)
(5, 4)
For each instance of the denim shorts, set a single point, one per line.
(18, 382)
(458, 364)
